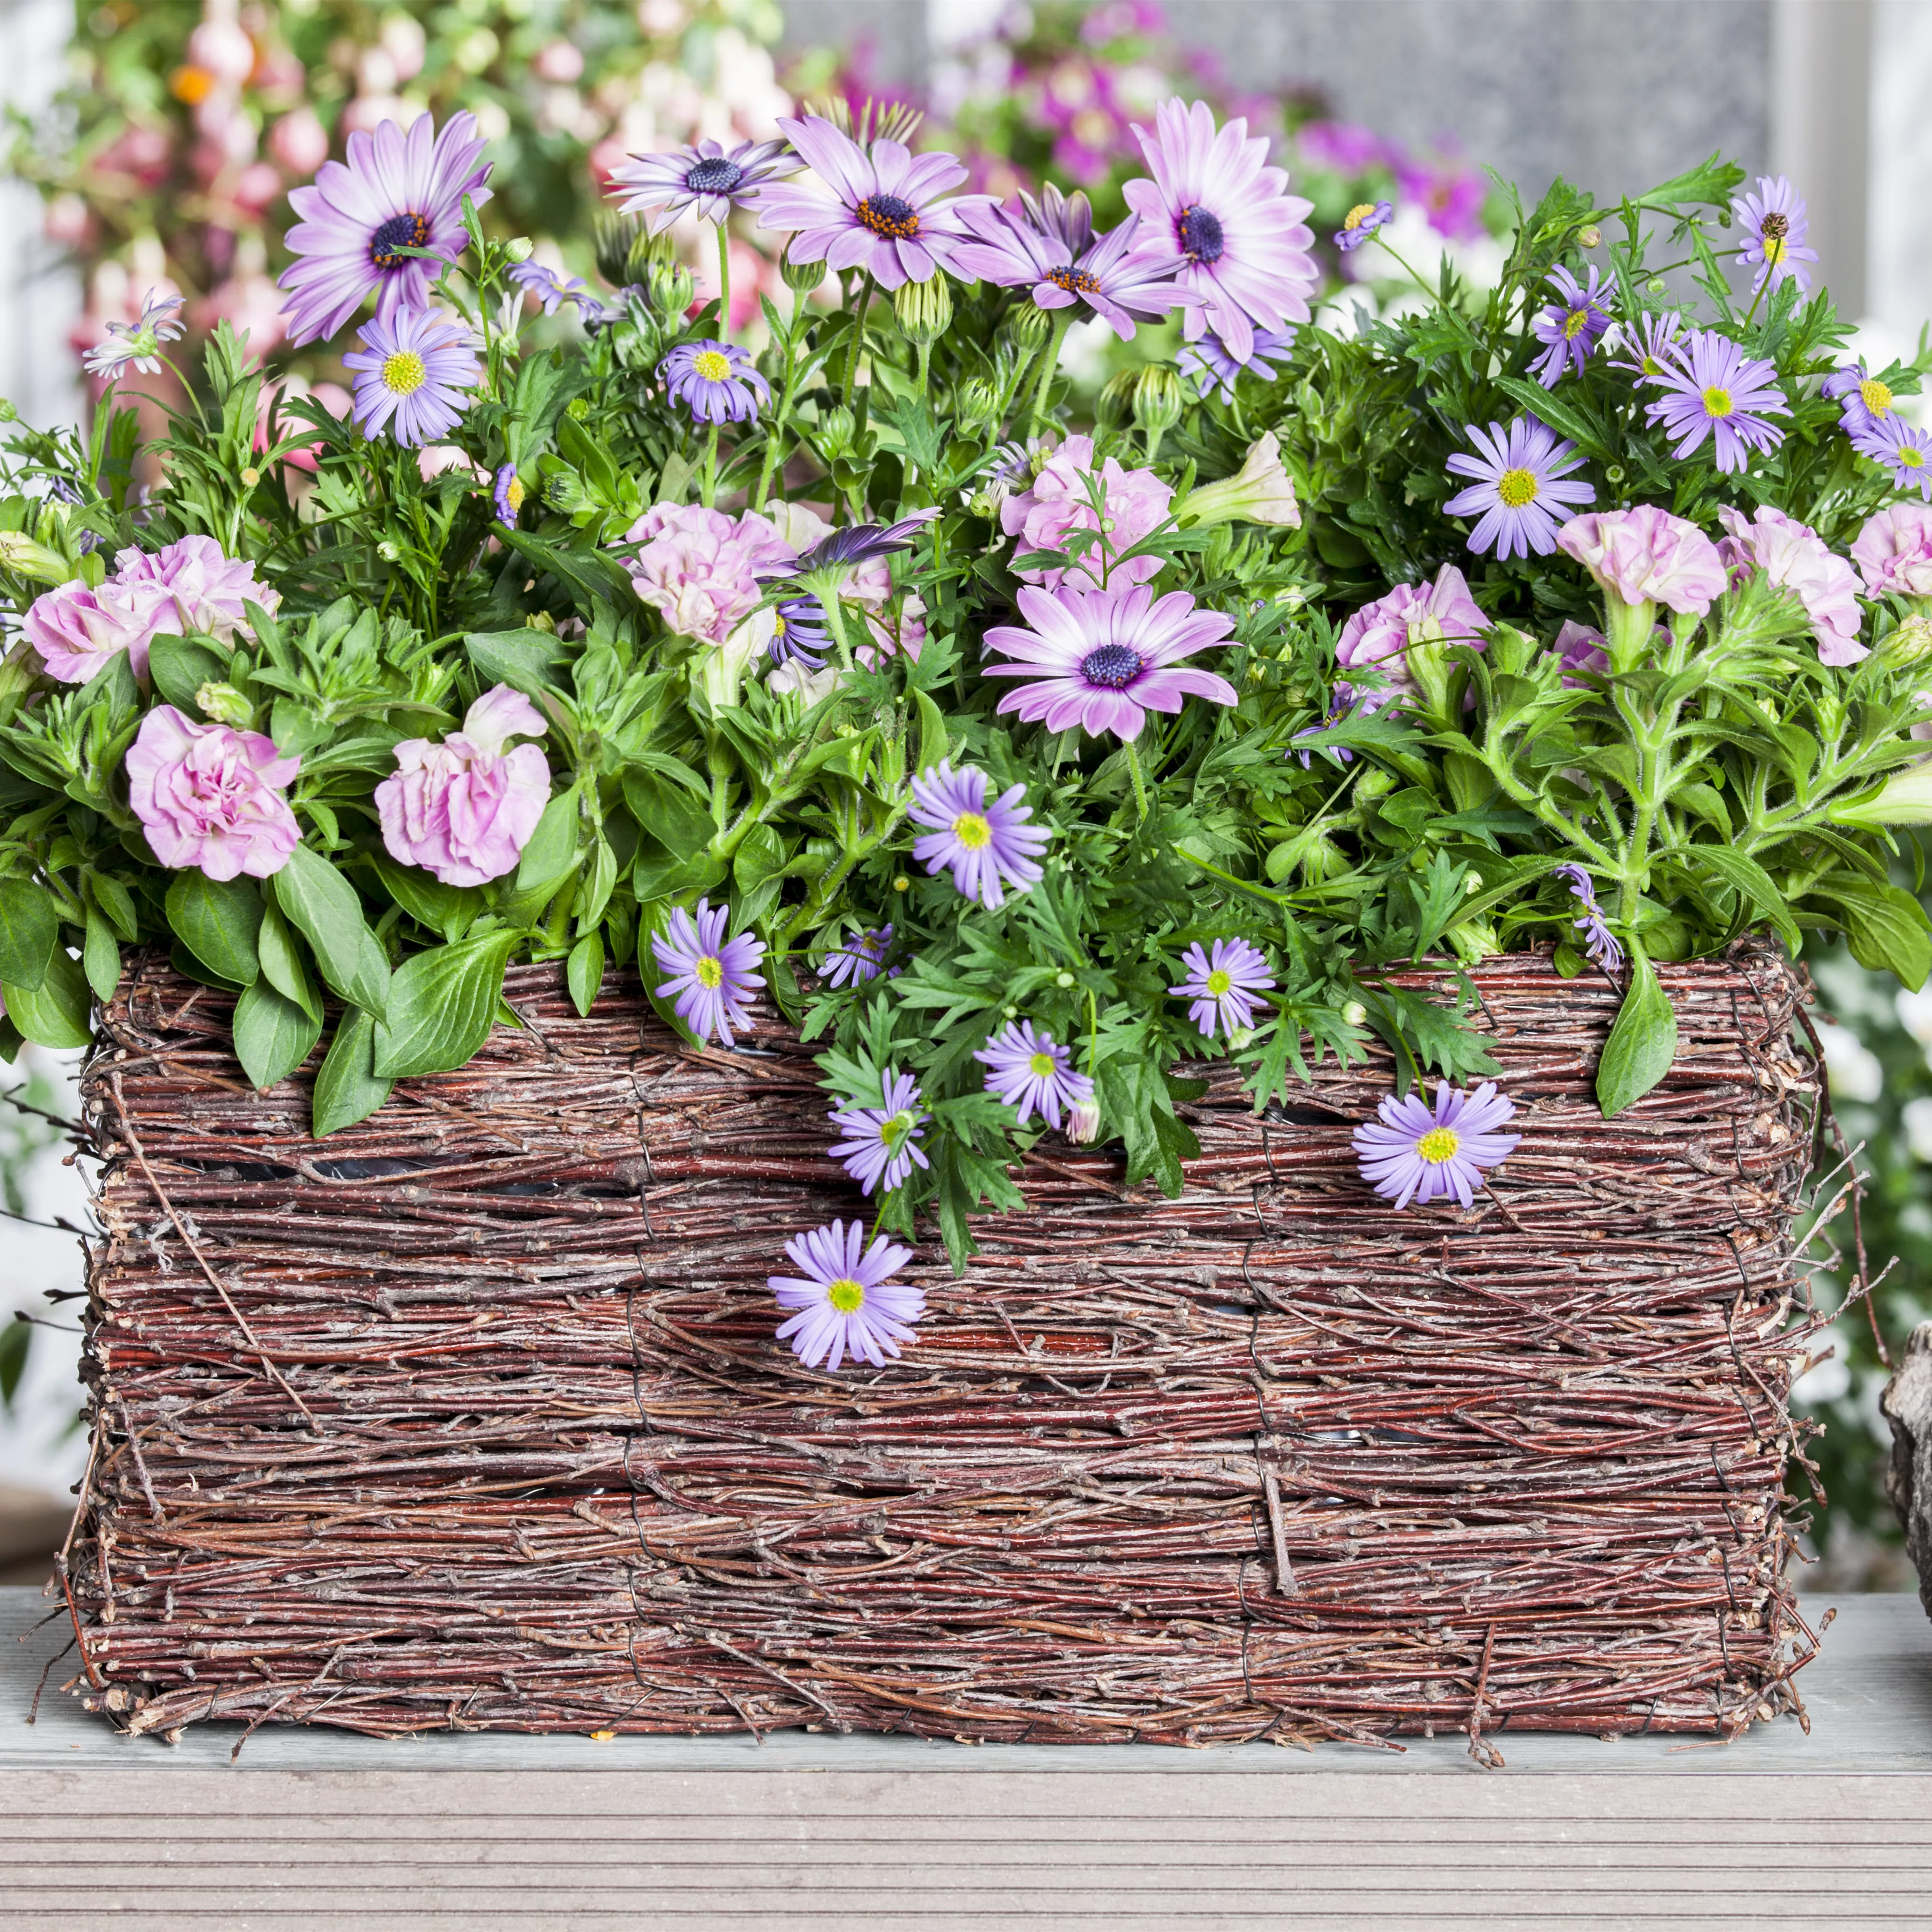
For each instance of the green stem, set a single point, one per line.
(723, 283)
(1049, 362)
(708, 489)
(774, 433)
(855, 349)
(1140, 782)
(835, 617)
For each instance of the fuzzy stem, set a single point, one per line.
(1049, 362)
(856, 350)
(1140, 782)
(774, 432)
(709, 487)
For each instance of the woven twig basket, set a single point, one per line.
(473, 1415)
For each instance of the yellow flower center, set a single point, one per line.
(1044, 1064)
(1219, 981)
(1775, 245)
(1716, 401)
(1875, 396)
(710, 972)
(1438, 1144)
(713, 366)
(1359, 214)
(1575, 321)
(845, 1294)
(1516, 487)
(404, 372)
(1910, 454)
(972, 831)
(513, 493)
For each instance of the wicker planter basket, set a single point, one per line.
(472, 1416)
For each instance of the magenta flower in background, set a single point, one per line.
(700, 569)
(1902, 449)
(1032, 1074)
(397, 190)
(860, 959)
(1794, 557)
(203, 590)
(1103, 659)
(1413, 1151)
(1600, 944)
(1893, 551)
(715, 382)
(1343, 147)
(136, 344)
(1518, 479)
(210, 797)
(78, 631)
(1221, 984)
(465, 809)
(1646, 556)
(1582, 649)
(987, 844)
(1865, 403)
(1361, 222)
(880, 211)
(1134, 502)
(703, 176)
(508, 495)
(881, 1144)
(1644, 348)
(1208, 361)
(1774, 226)
(846, 1302)
(712, 975)
(1214, 203)
(1449, 192)
(1382, 633)
(552, 290)
(410, 372)
(1570, 325)
(1713, 388)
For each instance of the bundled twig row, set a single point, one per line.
(473, 1414)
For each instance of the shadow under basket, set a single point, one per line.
(473, 1415)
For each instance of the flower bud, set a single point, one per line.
(388, 551)
(1262, 493)
(7, 412)
(669, 288)
(1115, 405)
(1911, 643)
(1063, 981)
(222, 704)
(836, 427)
(1083, 1122)
(1239, 1037)
(801, 277)
(975, 403)
(1589, 236)
(541, 620)
(24, 557)
(1029, 326)
(924, 309)
(613, 238)
(1158, 400)
(521, 249)
(901, 884)
(1355, 1013)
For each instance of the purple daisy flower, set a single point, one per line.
(410, 371)
(138, 342)
(715, 382)
(1906, 450)
(702, 176)
(1571, 326)
(550, 289)
(1714, 389)
(1031, 1074)
(984, 841)
(1413, 1151)
(1053, 248)
(1774, 225)
(845, 549)
(847, 1302)
(1208, 362)
(1600, 944)
(1643, 348)
(509, 495)
(397, 190)
(1341, 705)
(1221, 985)
(799, 634)
(1517, 478)
(877, 211)
(882, 1143)
(860, 959)
(711, 976)
(1104, 658)
(1863, 400)
(1361, 222)
(1214, 203)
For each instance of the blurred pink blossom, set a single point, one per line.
(299, 141)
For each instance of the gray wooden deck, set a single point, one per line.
(352, 1835)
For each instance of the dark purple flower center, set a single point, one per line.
(714, 175)
(887, 215)
(1114, 667)
(1075, 281)
(400, 231)
(1200, 235)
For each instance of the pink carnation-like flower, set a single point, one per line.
(1136, 502)
(700, 568)
(465, 809)
(210, 796)
(207, 590)
(1894, 551)
(1581, 648)
(1794, 555)
(1646, 556)
(77, 630)
(1383, 633)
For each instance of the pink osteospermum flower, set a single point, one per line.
(843, 1299)
(1712, 388)
(1033, 1073)
(136, 344)
(987, 842)
(1221, 984)
(703, 176)
(1774, 224)
(1415, 1152)
(1237, 239)
(711, 975)
(1102, 659)
(411, 372)
(1517, 478)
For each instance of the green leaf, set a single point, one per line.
(57, 1012)
(531, 661)
(552, 850)
(217, 920)
(761, 856)
(441, 1005)
(29, 932)
(178, 669)
(449, 909)
(273, 1035)
(1550, 408)
(675, 817)
(100, 958)
(323, 907)
(1749, 879)
(931, 731)
(347, 1088)
(659, 874)
(118, 904)
(1642, 1042)
(584, 972)
(282, 964)
(1885, 928)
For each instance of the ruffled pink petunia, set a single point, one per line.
(1794, 557)
(204, 590)
(210, 797)
(1894, 551)
(78, 630)
(1135, 503)
(700, 568)
(1645, 555)
(1384, 632)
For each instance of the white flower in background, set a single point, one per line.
(1851, 1066)
(1916, 1117)
(1915, 1015)
(1826, 1380)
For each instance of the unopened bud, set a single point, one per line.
(836, 428)
(924, 309)
(1589, 237)
(1158, 400)
(1063, 981)
(1083, 1122)
(1239, 1037)
(24, 557)
(1115, 405)
(541, 620)
(250, 476)
(521, 249)
(901, 884)
(669, 288)
(1355, 1013)
(977, 401)
(1029, 326)
(224, 705)
(614, 237)
(7, 412)
(1910, 643)
(801, 277)
(388, 552)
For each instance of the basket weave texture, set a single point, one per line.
(473, 1415)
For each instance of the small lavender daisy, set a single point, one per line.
(702, 176)
(509, 494)
(551, 289)
(411, 370)
(1223, 985)
(1644, 347)
(715, 382)
(1414, 1152)
(1600, 944)
(1517, 476)
(799, 634)
(136, 343)
(1341, 705)
(1208, 362)
(1571, 326)
(1774, 225)
(860, 959)
(711, 976)
(1032, 1074)
(847, 1302)
(1864, 401)
(1361, 222)
(882, 1143)
(1714, 389)
(1906, 452)
(984, 841)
